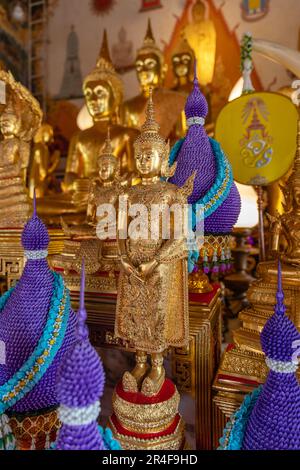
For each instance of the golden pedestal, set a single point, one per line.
(12, 253)
(147, 423)
(243, 367)
(194, 367)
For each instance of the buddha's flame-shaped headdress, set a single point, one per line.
(150, 135)
(105, 71)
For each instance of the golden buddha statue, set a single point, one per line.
(202, 37)
(285, 228)
(103, 91)
(183, 67)
(43, 163)
(82, 240)
(151, 69)
(152, 305)
(19, 120)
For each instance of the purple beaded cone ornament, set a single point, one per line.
(26, 331)
(274, 423)
(197, 154)
(79, 387)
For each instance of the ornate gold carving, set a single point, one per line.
(145, 418)
(244, 363)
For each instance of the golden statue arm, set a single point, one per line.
(40, 160)
(275, 232)
(91, 211)
(72, 165)
(55, 161)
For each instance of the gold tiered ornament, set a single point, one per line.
(152, 304)
(103, 91)
(242, 367)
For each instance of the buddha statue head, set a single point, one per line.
(9, 122)
(103, 88)
(151, 150)
(198, 11)
(150, 63)
(108, 166)
(45, 134)
(182, 62)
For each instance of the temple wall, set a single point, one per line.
(281, 24)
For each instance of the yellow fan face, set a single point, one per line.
(258, 133)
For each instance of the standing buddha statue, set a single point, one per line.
(103, 91)
(202, 37)
(20, 118)
(151, 68)
(152, 304)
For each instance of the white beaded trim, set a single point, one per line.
(282, 367)
(38, 254)
(79, 416)
(195, 120)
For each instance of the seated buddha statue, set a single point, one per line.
(82, 240)
(201, 35)
(103, 91)
(151, 69)
(19, 120)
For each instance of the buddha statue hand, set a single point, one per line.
(146, 269)
(128, 268)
